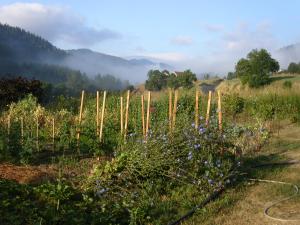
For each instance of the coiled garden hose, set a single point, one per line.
(266, 210)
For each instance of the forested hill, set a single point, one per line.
(20, 46)
(30, 56)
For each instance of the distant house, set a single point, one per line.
(176, 73)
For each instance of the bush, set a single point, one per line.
(287, 84)
(148, 178)
(233, 105)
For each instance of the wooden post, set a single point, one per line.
(175, 109)
(22, 130)
(197, 110)
(97, 113)
(8, 125)
(37, 133)
(208, 108)
(80, 119)
(122, 114)
(220, 110)
(8, 128)
(170, 110)
(126, 114)
(148, 113)
(102, 117)
(53, 133)
(143, 116)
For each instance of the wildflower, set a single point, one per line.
(197, 146)
(201, 130)
(190, 155)
(101, 191)
(193, 124)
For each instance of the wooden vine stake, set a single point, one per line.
(8, 128)
(37, 133)
(170, 109)
(174, 109)
(53, 134)
(197, 110)
(122, 114)
(143, 116)
(80, 120)
(22, 130)
(102, 117)
(148, 113)
(208, 108)
(126, 114)
(97, 113)
(219, 111)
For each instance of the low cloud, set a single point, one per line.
(182, 40)
(171, 57)
(213, 28)
(55, 23)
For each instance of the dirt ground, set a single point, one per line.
(26, 174)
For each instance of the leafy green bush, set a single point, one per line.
(233, 105)
(287, 84)
(148, 177)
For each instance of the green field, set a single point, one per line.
(50, 176)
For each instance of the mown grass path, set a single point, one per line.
(245, 203)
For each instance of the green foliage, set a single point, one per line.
(293, 68)
(287, 84)
(146, 182)
(148, 177)
(158, 80)
(186, 79)
(233, 105)
(25, 204)
(257, 68)
(231, 75)
(14, 89)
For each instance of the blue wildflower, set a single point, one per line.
(190, 155)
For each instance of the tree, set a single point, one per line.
(173, 82)
(14, 89)
(293, 68)
(206, 76)
(186, 79)
(231, 75)
(156, 80)
(257, 68)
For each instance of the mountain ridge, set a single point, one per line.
(21, 46)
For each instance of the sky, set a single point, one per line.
(205, 36)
